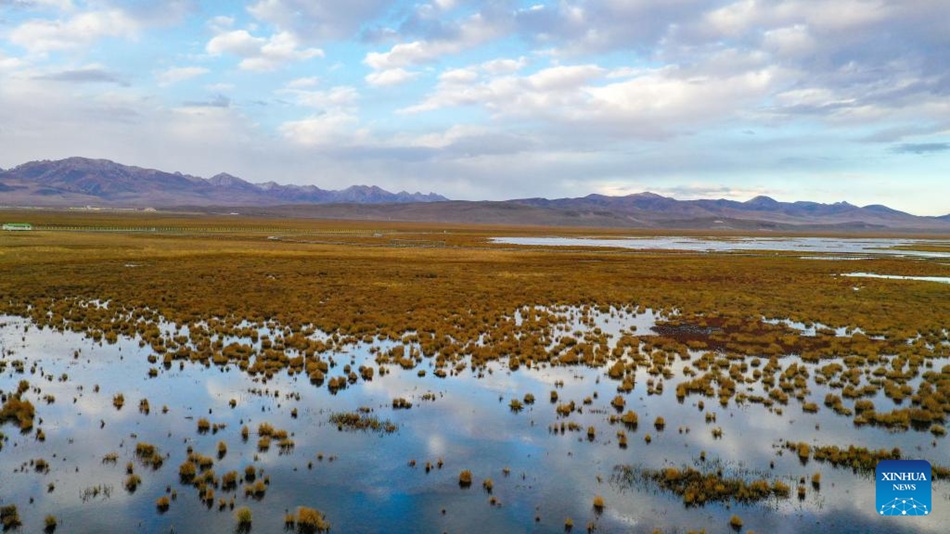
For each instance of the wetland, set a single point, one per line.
(187, 373)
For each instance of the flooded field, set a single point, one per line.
(222, 384)
(833, 245)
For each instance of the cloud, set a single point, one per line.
(331, 128)
(716, 191)
(40, 36)
(335, 122)
(318, 21)
(84, 75)
(300, 83)
(390, 77)
(921, 148)
(341, 96)
(9, 63)
(62, 5)
(647, 103)
(259, 53)
(174, 75)
(475, 30)
(218, 101)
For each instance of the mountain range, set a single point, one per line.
(103, 183)
(100, 182)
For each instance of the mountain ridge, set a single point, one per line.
(78, 181)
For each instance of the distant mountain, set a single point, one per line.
(652, 210)
(100, 182)
(103, 183)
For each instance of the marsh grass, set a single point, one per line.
(697, 488)
(244, 517)
(719, 300)
(311, 520)
(362, 421)
(19, 410)
(598, 503)
(9, 517)
(132, 483)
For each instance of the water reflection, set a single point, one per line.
(821, 245)
(364, 482)
(940, 279)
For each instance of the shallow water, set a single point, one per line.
(369, 486)
(820, 245)
(940, 279)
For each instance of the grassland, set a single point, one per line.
(446, 296)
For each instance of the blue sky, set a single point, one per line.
(799, 100)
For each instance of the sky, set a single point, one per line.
(845, 100)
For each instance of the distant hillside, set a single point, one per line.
(652, 210)
(670, 216)
(100, 182)
(96, 182)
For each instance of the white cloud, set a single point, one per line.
(548, 91)
(390, 77)
(40, 36)
(563, 78)
(174, 75)
(458, 76)
(258, 53)
(221, 23)
(474, 31)
(648, 103)
(237, 42)
(315, 21)
(504, 66)
(301, 83)
(9, 63)
(332, 128)
(341, 96)
(220, 87)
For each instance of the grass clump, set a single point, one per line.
(244, 517)
(256, 490)
(263, 444)
(18, 410)
(9, 516)
(598, 503)
(311, 520)
(630, 418)
(187, 471)
(229, 480)
(698, 488)
(362, 421)
(735, 522)
(465, 478)
(132, 483)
